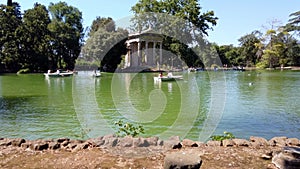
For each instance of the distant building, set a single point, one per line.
(144, 50)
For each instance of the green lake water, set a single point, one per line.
(264, 104)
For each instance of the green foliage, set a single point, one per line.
(188, 10)
(248, 49)
(10, 22)
(67, 34)
(294, 23)
(187, 25)
(128, 129)
(225, 136)
(36, 42)
(107, 24)
(106, 45)
(35, 38)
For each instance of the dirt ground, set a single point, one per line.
(129, 157)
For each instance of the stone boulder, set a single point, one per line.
(97, 142)
(173, 142)
(278, 141)
(140, 142)
(241, 142)
(288, 158)
(17, 142)
(182, 160)
(258, 141)
(214, 143)
(189, 143)
(39, 145)
(126, 141)
(110, 140)
(153, 141)
(54, 145)
(228, 143)
(293, 142)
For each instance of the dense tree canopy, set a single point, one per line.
(67, 34)
(10, 22)
(35, 41)
(105, 44)
(181, 21)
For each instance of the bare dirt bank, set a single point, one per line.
(128, 152)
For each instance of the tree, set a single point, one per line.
(67, 35)
(188, 10)
(186, 27)
(10, 21)
(294, 22)
(105, 44)
(35, 39)
(227, 54)
(248, 48)
(104, 23)
(232, 56)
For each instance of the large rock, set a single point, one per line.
(241, 142)
(14, 142)
(98, 142)
(39, 146)
(173, 142)
(228, 143)
(61, 140)
(288, 158)
(293, 142)
(110, 140)
(214, 143)
(278, 141)
(81, 146)
(17, 142)
(189, 143)
(140, 142)
(258, 141)
(182, 160)
(153, 141)
(126, 141)
(54, 145)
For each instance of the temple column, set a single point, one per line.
(146, 53)
(154, 52)
(139, 58)
(160, 54)
(135, 55)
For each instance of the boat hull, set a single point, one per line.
(167, 79)
(66, 74)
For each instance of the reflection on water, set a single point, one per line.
(170, 87)
(257, 103)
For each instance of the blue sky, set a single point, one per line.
(236, 17)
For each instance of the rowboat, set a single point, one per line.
(168, 78)
(96, 74)
(58, 74)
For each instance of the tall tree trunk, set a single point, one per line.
(9, 2)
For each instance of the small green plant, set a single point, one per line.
(128, 129)
(225, 136)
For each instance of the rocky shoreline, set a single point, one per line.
(111, 151)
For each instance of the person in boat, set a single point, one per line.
(57, 72)
(170, 74)
(160, 74)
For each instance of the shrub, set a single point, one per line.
(225, 136)
(128, 129)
